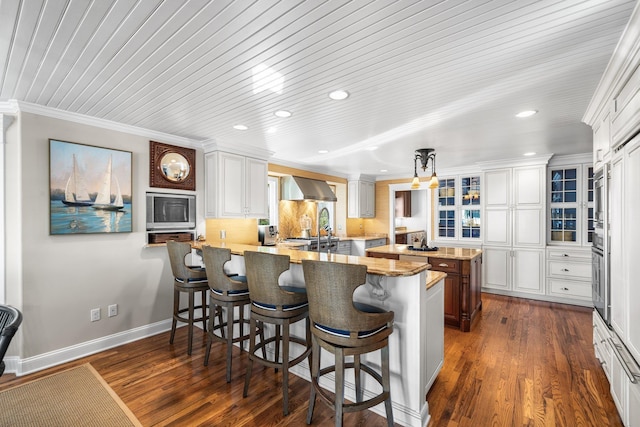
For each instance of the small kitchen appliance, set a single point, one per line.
(305, 227)
(267, 234)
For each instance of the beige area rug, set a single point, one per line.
(76, 397)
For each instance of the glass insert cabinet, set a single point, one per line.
(571, 205)
(459, 208)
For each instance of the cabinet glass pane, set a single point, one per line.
(564, 184)
(447, 223)
(447, 192)
(470, 188)
(470, 223)
(564, 225)
(590, 185)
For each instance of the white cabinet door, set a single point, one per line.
(497, 188)
(528, 270)
(528, 185)
(361, 199)
(235, 186)
(634, 405)
(231, 187)
(434, 342)
(528, 224)
(496, 268)
(632, 243)
(256, 192)
(497, 230)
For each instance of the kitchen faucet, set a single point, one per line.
(326, 228)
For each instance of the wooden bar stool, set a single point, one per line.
(277, 305)
(188, 279)
(345, 328)
(227, 291)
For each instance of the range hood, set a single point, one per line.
(298, 188)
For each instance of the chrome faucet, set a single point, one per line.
(322, 212)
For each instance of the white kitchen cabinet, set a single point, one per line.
(434, 340)
(570, 205)
(569, 274)
(618, 295)
(625, 123)
(514, 237)
(235, 186)
(458, 209)
(601, 344)
(601, 140)
(631, 245)
(344, 247)
(361, 199)
(359, 246)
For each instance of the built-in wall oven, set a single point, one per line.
(600, 252)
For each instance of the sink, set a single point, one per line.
(427, 249)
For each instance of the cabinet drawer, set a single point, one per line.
(569, 255)
(445, 265)
(579, 271)
(570, 288)
(375, 242)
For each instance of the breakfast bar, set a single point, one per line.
(416, 296)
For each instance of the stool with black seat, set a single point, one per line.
(228, 291)
(278, 305)
(345, 328)
(191, 280)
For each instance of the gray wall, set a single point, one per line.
(57, 280)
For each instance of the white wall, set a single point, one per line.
(57, 280)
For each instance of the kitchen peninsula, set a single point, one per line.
(463, 285)
(415, 295)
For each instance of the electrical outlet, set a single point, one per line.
(113, 310)
(95, 314)
(223, 234)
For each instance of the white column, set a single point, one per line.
(5, 120)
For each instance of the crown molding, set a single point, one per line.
(508, 163)
(56, 113)
(210, 145)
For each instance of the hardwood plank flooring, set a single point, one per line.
(525, 363)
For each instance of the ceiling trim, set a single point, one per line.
(55, 113)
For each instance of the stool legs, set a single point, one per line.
(190, 312)
(386, 384)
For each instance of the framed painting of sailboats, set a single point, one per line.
(90, 189)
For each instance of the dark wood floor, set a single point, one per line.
(525, 363)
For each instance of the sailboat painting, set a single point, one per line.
(90, 189)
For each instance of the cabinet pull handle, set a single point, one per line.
(565, 269)
(443, 265)
(564, 289)
(617, 350)
(565, 254)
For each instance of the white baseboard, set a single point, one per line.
(46, 360)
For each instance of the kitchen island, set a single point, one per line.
(463, 285)
(415, 295)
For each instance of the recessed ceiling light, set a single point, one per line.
(323, 151)
(282, 113)
(527, 113)
(530, 153)
(383, 170)
(240, 127)
(339, 95)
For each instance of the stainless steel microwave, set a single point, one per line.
(171, 211)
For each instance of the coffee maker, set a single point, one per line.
(267, 234)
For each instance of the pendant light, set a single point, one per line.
(424, 155)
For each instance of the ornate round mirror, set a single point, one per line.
(174, 167)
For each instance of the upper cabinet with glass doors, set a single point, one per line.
(571, 205)
(459, 208)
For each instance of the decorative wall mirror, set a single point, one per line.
(171, 166)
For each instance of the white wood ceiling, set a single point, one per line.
(448, 75)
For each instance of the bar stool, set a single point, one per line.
(227, 291)
(189, 279)
(278, 305)
(345, 328)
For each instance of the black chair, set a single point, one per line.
(10, 319)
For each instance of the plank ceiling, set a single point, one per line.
(448, 75)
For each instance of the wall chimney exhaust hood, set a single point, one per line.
(298, 188)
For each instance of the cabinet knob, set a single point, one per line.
(565, 254)
(565, 269)
(565, 289)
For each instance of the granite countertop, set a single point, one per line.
(381, 266)
(367, 237)
(463, 254)
(408, 231)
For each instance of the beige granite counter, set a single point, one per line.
(462, 254)
(367, 237)
(380, 266)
